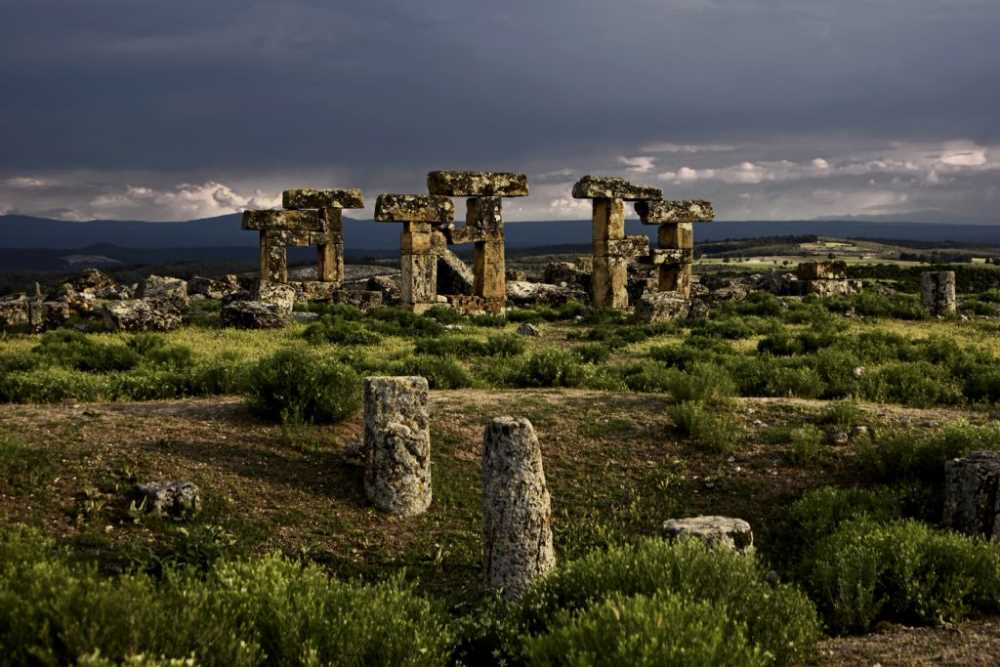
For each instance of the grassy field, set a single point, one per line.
(803, 418)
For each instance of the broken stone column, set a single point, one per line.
(278, 230)
(330, 204)
(484, 191)
(938, 288)
(418, 258)
(972, 494)
(517, 512)
(611, 248)
(674, 258)
(397, 445)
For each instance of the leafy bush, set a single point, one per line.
(780, 620)
(664, 629)
(593, 353)
(331, 329)
(268, 611)
(716, 431)
(72, 349)
(441, 372)
(807, 443)
(842, 414)
(819, 513)
(903, 571)
(704, 382)
(551, 368)
(504, 345)
(401, 322)
(297, 387)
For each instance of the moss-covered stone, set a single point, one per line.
(413, 208)
(659, 211)
(612, 187)
(306, 198)
(477, 184)
(274, 220)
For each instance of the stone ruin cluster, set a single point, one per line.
(622, 273)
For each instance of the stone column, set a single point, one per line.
(397, 445)
(330, 267)
(273, 257)
(517, 514)
(972, 494)
(417, 243)
(675, 238)
(484, 191)
(938, 289)
(612, 250)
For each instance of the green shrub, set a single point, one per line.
(444, 315)
(651, 378)
(551, 368)
(902, 571)
(76, 350)
(401, 322)
(267, 611)
(331, 329)
(704, 382)
(51, 385)
(920, 384)
(664, 629)
(455, 346)
(18, 362)
(780, 620)
(717, 431)
(297, 387)
(842, 414)
(441, 372)
(593, 353)
(807, 443)
(819, 513)
(504, 345)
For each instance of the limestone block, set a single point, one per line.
(330, 267)
(171, 292)
(825, 288)
(363, 300)
(311, 290)
(247, 314)
(416, 239)
(675, 278)
(717, 531)
(13, 313)
(477, 184)
(413, 208)
(662, 306)
(612, 187)
(517, 514)
(821, 271)
(608, 221)
(661, 211)
(484, 218)
(972, 494)
(306, 198)
(418, 279)
(304, 220)
(676, 235)
(489, 270)
(628, 247)
(140, 315)
(397, 445)
(668, 256)
(301, 238)
(938, 289)
(282, 296)
(273, 258)
(333, 221)
(524, 293)
(609, 283)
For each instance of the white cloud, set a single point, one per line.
(566, 207)
(183, 202)
(640, 164)
(668, 147)
(820, 163)
(26, 182)
(970, 158)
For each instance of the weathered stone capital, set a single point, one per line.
(309, 221)
(612, 187)
(668, 257)
(662, 211)
(305, 198)
(414, 208)
(477, 184)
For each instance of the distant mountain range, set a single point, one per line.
(23, 232)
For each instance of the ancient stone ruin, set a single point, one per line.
(938, 289)
(419, 244)
(517, 513)
(611, 248)
(716, 531)
(972, 494)
(484, 192)
(310, 218)
(397, 445)
(824, 279)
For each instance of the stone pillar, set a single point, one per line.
(938, 289)
(418, 243)
(517, 514)
(397, 445)
(484, 191)
(273, 257)
(676, 277)
(330, 267)
(674, 258)
(972, 494)
(612, 250)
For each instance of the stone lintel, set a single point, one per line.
(306, 198)
(628, 247)
(477, 184)
(310, 221)
(668, 257)
(414, 208)
(612, 187)
(300, 238)
(660, 211)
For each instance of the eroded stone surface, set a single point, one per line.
(612, 187)
(517, 514)
(660, 211)
(477, 184)
(524, 293)
(280, 295)
(363, 300)
(972, 494)
(938, 290)
(397, 445)
(717, 531)
(662, 306)
(308, 198)
(176, 500)
(249, 314)
(166, 291)
(140, 315)
(273, 220)
(668, 256)
(413, 208)
(821, 271)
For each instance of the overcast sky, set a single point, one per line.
(773, 109)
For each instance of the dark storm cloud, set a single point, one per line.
(387, 89)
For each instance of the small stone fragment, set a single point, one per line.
(517, 511)
(177, 500)
(822, 271)
(528, 329)
(655, 307)
(253, 315)
(716, 531)
(397, 445)
(140, 315)
(166, 291)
